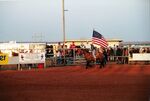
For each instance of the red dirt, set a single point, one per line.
(75, 83)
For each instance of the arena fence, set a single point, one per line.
(76, 58)
(29, 61)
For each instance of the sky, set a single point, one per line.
(27, 20)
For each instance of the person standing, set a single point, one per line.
(59, 47)
(88, 46)
(82, 46)
(72, 46)
(105, 56)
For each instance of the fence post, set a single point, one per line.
(18, 66)
(45, 64)
(55, 57)
(128, 54)
(74, 56)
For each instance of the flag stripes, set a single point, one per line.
(98, 39)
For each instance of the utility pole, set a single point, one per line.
(63, 27)
(63, 18)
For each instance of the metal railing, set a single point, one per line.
(78, 59)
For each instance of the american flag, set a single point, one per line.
(98, 39)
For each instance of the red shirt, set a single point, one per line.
(72, 46)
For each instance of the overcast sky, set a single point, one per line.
(128, 20)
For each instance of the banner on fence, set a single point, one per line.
(140, 57)
(3, 59)
(26, 58)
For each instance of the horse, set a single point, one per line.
(88, 57)
(99, 57)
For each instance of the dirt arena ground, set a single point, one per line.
(75, 83)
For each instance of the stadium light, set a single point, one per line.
(63, 22)
(63, 27)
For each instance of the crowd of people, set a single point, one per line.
(138, 50)
(116, 53)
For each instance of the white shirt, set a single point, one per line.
(88, 46)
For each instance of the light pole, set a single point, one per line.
(63, 28)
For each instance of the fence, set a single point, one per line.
(72, 57)
(76, 57)
(22, 60)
